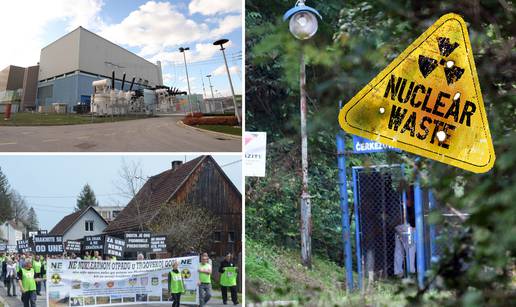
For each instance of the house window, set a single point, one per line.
(115, 213)
(88, 225)
(217, 236)
(231, 236)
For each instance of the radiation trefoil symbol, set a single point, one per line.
(186, 273)
(427, 64)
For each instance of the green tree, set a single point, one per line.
(5, 198)
(86, 198)
(32, 223)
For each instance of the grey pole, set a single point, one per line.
(203, 88)
(306, 215)
(211, 86)
(230, 83)
(187, 79)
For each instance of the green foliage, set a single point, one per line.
(5, 198)
(86, 198)
(355, 41)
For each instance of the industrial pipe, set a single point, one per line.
(123, 81)
(113, 80)
(132, 83)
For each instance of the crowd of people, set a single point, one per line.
(27, 272)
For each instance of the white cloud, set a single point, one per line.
(25, 36)
(221, 70)
(212, 7)
(154, 26)
(227, 25)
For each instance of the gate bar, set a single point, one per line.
(420, 240)
(357, 227)
(433, 252)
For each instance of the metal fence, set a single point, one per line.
(379, 211)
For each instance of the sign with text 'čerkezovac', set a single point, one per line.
(428, 101)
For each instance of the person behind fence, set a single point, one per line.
(204, 280)
(176, 284)
(404, 245)
(228, 279)
(27, 284)
(10, 277)
(37, 266)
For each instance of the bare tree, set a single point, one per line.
(19, 209)
(131, 181)
(186, 226)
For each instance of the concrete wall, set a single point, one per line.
(61, 56)
(78, 230)
(100, 56)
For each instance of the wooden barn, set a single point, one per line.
(200, 181)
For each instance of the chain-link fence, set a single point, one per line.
(379, 212)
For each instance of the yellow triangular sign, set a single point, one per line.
(428, 101)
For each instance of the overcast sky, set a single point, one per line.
(152, 29)
(51, 184)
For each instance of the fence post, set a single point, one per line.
(420, 239)
(343, 188)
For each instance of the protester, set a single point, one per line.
(204, 280)
(140, 257)
(228, 279)
(3, 265)
(27, 284)
(176, 284)
(37, 266)
(10, 277)
(87, 255)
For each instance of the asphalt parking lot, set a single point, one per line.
(159, 134)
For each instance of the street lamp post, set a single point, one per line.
(221, 43)
(303, 25)
(211, 86)
(183, 51)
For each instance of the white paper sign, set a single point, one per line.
(255, 153)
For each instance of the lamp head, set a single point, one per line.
(303, 22)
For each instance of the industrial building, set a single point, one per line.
(69, 65)
(18, 86)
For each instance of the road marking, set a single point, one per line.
(83, 137)
(8, 143)
(50, 140)
(109, 134)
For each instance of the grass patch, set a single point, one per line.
(275, 273)
(222, 128)
(52, 119)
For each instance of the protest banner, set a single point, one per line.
(3, 247)
(158, 244)
(73, 246)
(23, 246)
(137, 241)
(94, 243)
(48, 245)
(106, 283)
(114, 246)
